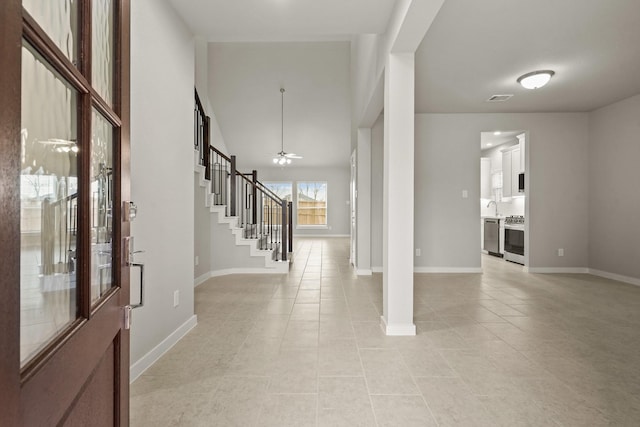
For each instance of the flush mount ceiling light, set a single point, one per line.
(496, 133)
(535, 79)
(283, 158)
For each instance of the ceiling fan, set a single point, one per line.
(282, 157)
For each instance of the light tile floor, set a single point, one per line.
(503, 348)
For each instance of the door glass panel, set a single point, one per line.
(102, 48)
(101, 206)
(48, 204)
(59, 19)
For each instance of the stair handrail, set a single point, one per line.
(220, 153)
(223, 179)
(265, 188)
(201, 132)
(286, 239)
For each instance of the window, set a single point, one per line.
(284, 190)
(312, 203)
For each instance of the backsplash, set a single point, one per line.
(515, 206)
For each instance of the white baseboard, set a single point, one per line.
(614, 276)
(465, 270)
(437, 270)
(227, 271)
(200, 280)
(137, 368)
(319, 235)
(558, 270)
(364, 272)
(406, 330)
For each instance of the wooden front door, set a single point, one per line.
(64, 189)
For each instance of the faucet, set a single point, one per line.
(495, 204)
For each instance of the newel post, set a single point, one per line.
(232, 187)
(285, 226)
(206, 150)
(254, 197)
(290, 217)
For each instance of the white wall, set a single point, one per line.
(225, 254)
(162, 80)
(201, 230)
(377, 183)
(202, 85)
(446, 162)
(447, 153)
(337, 179)
(244, 88)
(614, 176)
(364, 77)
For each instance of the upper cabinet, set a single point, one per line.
(511, 168)
(521, 142)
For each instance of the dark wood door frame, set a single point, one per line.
(10, 54)
(84, 339)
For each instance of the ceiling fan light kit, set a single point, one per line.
(283, 158)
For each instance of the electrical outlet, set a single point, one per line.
(465, 194)
(176, 298)
(561, 252)
(197, 260)
(418, 252)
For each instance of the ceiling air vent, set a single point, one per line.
(499, 98)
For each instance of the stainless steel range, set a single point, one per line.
(514, 239)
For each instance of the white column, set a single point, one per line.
(397, 258)
(363, 199)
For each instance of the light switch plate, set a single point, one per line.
(465, 194)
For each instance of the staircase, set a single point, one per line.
(255, 216)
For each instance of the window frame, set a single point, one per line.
(267, 183)
(324, 226)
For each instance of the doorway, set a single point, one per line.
(503, 195)
(64, 281)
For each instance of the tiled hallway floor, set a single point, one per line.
(499, 349)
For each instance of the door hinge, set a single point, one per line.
(127, 317)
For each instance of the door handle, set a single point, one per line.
(129, 308)
(129, 254)
(141, 267)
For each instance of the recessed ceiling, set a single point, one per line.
(284, 20)
(475, 49)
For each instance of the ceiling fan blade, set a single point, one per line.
(292, 156)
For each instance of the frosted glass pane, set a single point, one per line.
(102, 48)
(48, 205)
(59, 19)
(101, 206)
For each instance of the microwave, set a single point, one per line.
(521, 182)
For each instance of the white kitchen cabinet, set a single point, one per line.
(485, 178)
(511, 168)
(507, 174)
(521, 142)
(515, 171)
